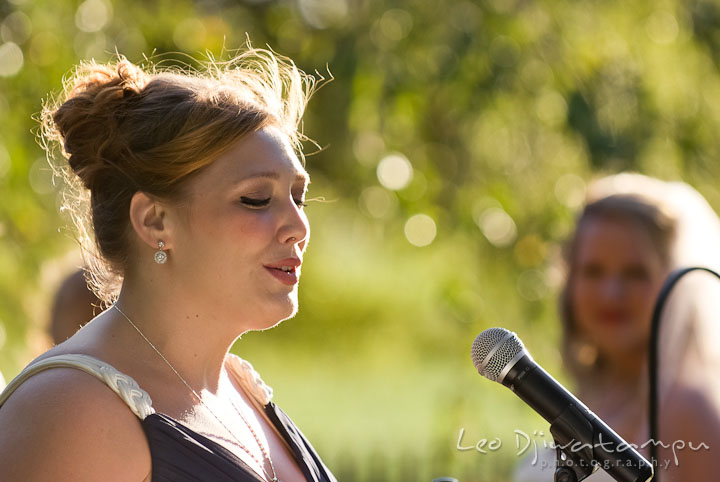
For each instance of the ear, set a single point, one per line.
(147, 217)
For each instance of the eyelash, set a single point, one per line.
(258, 203)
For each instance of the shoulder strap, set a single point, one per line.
(250, 379)
(124, 386)
(653, 354)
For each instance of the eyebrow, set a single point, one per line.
(301, 176)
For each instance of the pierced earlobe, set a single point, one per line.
(160, 255)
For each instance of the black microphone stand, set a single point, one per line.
(581, 450)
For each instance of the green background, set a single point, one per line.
(486, 118)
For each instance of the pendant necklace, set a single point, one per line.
(272, 477)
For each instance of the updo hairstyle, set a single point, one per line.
(125, 128)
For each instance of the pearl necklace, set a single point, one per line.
(273, 477)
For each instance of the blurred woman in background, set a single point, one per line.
(194, 230)
(74, 305)
(632, 233)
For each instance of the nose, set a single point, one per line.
(295, 228)
(613, 287)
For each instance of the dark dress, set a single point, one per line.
(181, 455)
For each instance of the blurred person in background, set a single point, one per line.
(632, 233)
(74, 305)
(194, 230)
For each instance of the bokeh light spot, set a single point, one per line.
(662, 28)
(11, 59)
(93, 15)
(551, 108)
(497, 226)
(394, 171)
(396, 24)
(322, 14)
(16, 28)
(368, 146)
(420, 230)
(378, 202)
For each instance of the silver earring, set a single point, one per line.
(160, 255)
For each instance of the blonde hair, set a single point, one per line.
(124, 128)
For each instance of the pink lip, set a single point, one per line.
(614, 317)
(286, 277)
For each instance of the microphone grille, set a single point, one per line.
(493, 349)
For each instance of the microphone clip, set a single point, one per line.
(575, 460)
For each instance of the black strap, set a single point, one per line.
(670, 282)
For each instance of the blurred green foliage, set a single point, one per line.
(459, 139)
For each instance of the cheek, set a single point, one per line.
(219, 237)
(581, 302)
(583, 295)
(245, 229)
(238, 223)
(642, 299)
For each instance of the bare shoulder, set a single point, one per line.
(692, 410)
(65, 425)
(690, 429)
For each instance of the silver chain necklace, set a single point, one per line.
(273, 477)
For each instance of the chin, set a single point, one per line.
(276, 316)
(623, 346)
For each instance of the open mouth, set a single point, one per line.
(287, 275)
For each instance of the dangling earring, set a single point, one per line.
(160, 255)
(585, 353)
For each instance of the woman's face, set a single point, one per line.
(617, 277)
(240, 248)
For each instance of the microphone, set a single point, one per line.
(582, 439)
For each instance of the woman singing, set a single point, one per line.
(195, 234)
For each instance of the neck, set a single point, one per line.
(191, 339)
(625, 368)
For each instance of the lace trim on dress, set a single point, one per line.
(124, 386)
(250, 379)
(137, 399)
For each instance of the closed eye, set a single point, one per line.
(636, 273)
(264, 202)
(254, 202)
(592, 271)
